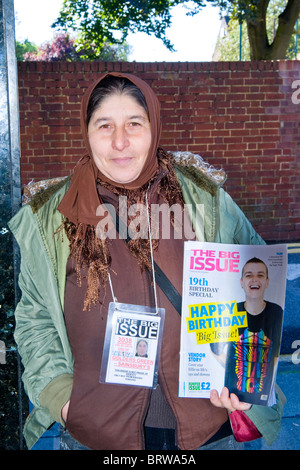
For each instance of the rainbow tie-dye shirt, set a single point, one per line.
(250, 360)
(253, 353)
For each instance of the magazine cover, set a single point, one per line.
(232, 314)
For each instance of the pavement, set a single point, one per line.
(288, 376)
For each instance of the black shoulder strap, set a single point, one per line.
(168, 289)
(161, 279)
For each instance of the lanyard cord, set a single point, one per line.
(152, 262)
(151, 252)
(111, 288)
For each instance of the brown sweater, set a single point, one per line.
(112, 417)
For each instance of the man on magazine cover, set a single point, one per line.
(251, 361)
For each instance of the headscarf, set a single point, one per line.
(80, 203)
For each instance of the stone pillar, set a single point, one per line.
(11, 394)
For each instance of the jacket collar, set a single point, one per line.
(200, 172)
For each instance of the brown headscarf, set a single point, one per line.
(80, 203)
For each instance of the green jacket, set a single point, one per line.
(40, 329)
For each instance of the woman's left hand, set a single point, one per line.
(229, 401)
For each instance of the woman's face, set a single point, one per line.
(120, 137)
(142, 348)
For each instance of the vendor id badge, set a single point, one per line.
(132, 345)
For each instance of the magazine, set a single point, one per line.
(232, 313)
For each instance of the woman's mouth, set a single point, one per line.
(122, 161)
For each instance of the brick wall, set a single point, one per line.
(241, 116)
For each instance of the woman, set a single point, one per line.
(67, 284)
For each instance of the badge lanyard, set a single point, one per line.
(133, 339)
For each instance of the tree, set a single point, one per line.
(236, 39)
(24, 47)
(233, 44)
(63, 48)
(60, 48)
(100, 21)
(255, 15)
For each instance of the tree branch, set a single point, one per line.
(286, 24)
(260, 48)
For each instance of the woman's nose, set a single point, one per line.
(120, 139)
